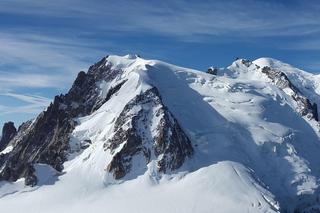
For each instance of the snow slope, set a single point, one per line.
(252, 151)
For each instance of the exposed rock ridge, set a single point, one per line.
(147, 129)
(280, 79)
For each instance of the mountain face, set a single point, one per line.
(163, 138)
(47, 140)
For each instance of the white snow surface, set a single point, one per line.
(252, 151)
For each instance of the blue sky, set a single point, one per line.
(43, 44)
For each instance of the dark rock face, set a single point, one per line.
(315, 111)
(46, 140)
(8, 132)
(31, 178)
(138, 134)
(305, 107)
(248, 63)
(212, 71)
(113, 90)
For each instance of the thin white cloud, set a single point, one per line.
(43, 61)
(33, 104)
(32, 99)
(30, 80)
(25, 109)
(247, 18)
(38, 51)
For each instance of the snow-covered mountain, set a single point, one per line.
(136, 135)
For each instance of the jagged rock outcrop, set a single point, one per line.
(212, 70)
(8, 132)
(305, 107)
(246, 62)
(47, 140)
(137, 133)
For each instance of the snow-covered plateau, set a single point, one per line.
(136, 135)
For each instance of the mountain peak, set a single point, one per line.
(266, 61)
(271, 62)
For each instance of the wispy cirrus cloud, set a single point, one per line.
(33, 104)
(33, 60)
(30, 80)
(32, 99)
(40, 52)
(181, 18)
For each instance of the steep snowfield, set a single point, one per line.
(252, 151)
